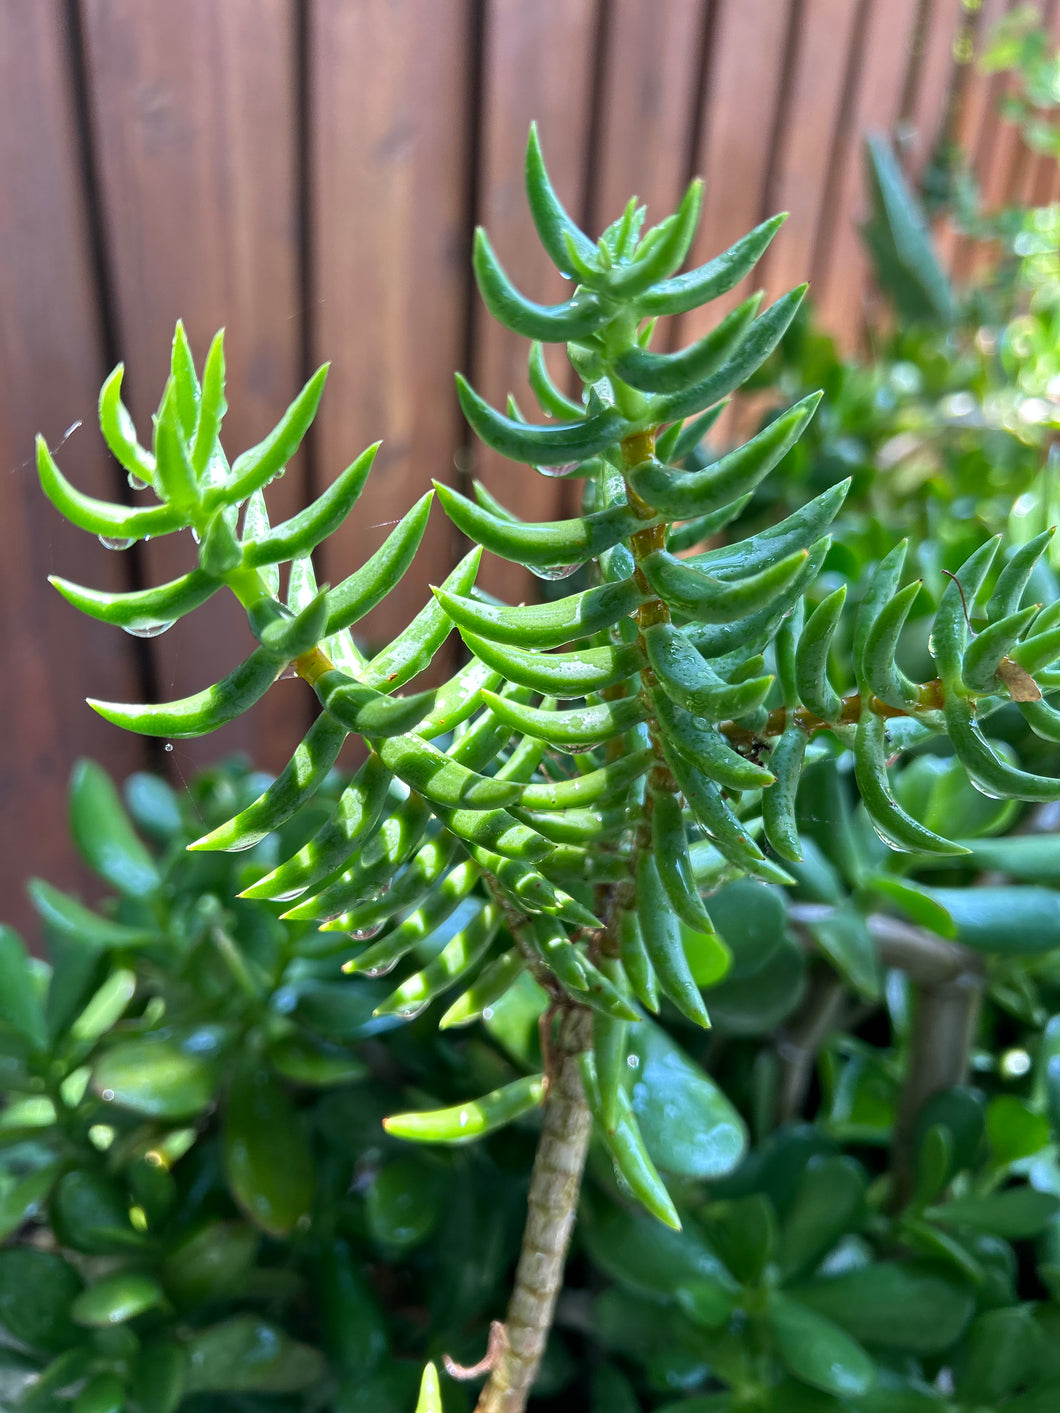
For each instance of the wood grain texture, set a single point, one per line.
(648, 104)
(845, 268)
(738, 119)
(992, 158)
(50, 368)
(934, 81)
(388, 101)
(538, 65)
(822, 54)
(193, 108)
(973, 110)
(1025, 168)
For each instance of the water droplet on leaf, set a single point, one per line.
(114, 542)
(550, 575)
(149, 630)
(365, 934)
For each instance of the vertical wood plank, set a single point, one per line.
(738, 121)
(388, 85)
(647, 100)
(822, 56)
(1025, 169)
(538, 64)
(50, 367)
(194, 119)
(845, 267)
(1041, 182)
(973, 112)
(934, 83)
(991, 156)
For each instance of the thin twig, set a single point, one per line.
(944, 1020)
(949, 980)
(798, 1046)
(925, 957)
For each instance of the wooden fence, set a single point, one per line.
(308, 174)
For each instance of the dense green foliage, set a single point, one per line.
(763, 805)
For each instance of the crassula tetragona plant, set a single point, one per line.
(602, 761)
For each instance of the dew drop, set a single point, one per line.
(563, 572)
(384, 970)
(990, 794)
(365, 934)
(555, 471)
(136, 483)
(886, 839)
(150, 630)
(195, 535)
(633, 1061)
(168, 746)
(114, 542)
(289, 672)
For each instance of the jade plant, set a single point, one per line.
(569, 810)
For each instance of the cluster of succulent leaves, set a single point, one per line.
(212, 1211)
(504, 853)
(945, 430)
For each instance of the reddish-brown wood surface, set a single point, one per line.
(538, 64)
(842, 273)
(650, 73)
(933, 83)
(389, 275)
(819, 66)
(735, 138)
(50, 366)
(193, 113)
(308, 173)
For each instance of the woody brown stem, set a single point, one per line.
(944, 1020)
(551, 1203)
